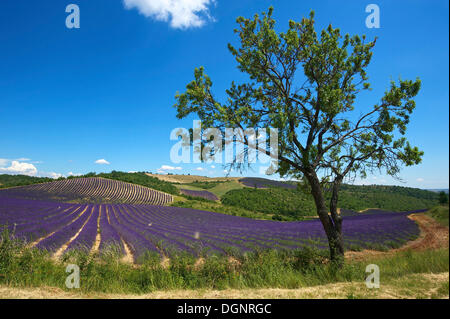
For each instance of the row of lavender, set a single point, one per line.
(93, 189)
(201, 194)
(169, 230)
(258, 182)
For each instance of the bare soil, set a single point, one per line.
(432, 236)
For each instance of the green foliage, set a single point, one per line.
(304, 83)
(293, 204)
(21, 180)
(212, 206)
(440, 214)
(443, 198)
(285, 203)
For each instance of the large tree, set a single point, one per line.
(305, 86)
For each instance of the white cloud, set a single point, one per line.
(199, 169)
(19, 168)
(163, 169)
(181, 14)
(420, 179)
(170, 168)
(212, 166)
(50, 175)
(4, 162)
(102, 162)
(73, 174)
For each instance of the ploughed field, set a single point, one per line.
(141, 229)
(91, 190)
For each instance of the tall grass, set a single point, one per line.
(24, 267)
(440, 214)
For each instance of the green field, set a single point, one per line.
(218, 188)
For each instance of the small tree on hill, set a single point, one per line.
(443, 198)
(305, 85)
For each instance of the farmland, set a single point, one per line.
(91, 190)
(201, 194)
(93, 213)
(99, 218)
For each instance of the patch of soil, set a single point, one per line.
(432, 236)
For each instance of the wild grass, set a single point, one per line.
(218, 188)
(212, 206)
(105, 273)
(440, 214)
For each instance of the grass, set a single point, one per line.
(217, 207)
(440, 214)
(219, 189)
(24, 267)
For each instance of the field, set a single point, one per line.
(91, 190)
(201, 194)
(167, 231)
(265, 183)
(185, 179)
(102, 221)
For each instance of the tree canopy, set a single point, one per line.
(305, 85)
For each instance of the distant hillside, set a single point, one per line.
(89, 190)
(187, 179)
(257, 182)
(21, 180)
(290, 204)
(437, 190)
(140, 178)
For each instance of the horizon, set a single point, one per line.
(99, 98)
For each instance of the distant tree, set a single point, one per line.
(443, 198)
(305, 85)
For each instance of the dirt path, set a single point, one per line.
(33, 244)
(432, 236)
(430, 287)
(128, 257)
(98, 237)
(63, 248)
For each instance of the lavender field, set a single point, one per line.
(91, 190)
(165, 231)
(202, 194)
(257, 182)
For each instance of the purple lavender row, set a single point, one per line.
(139, 244)
(62, 236)
(44, 227)
(202, 194)
(86, 238)
(257, 182)
(108, 235)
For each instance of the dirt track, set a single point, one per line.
(432, 236)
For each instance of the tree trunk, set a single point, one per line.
(332, 224)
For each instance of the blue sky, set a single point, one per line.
(70, 97)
